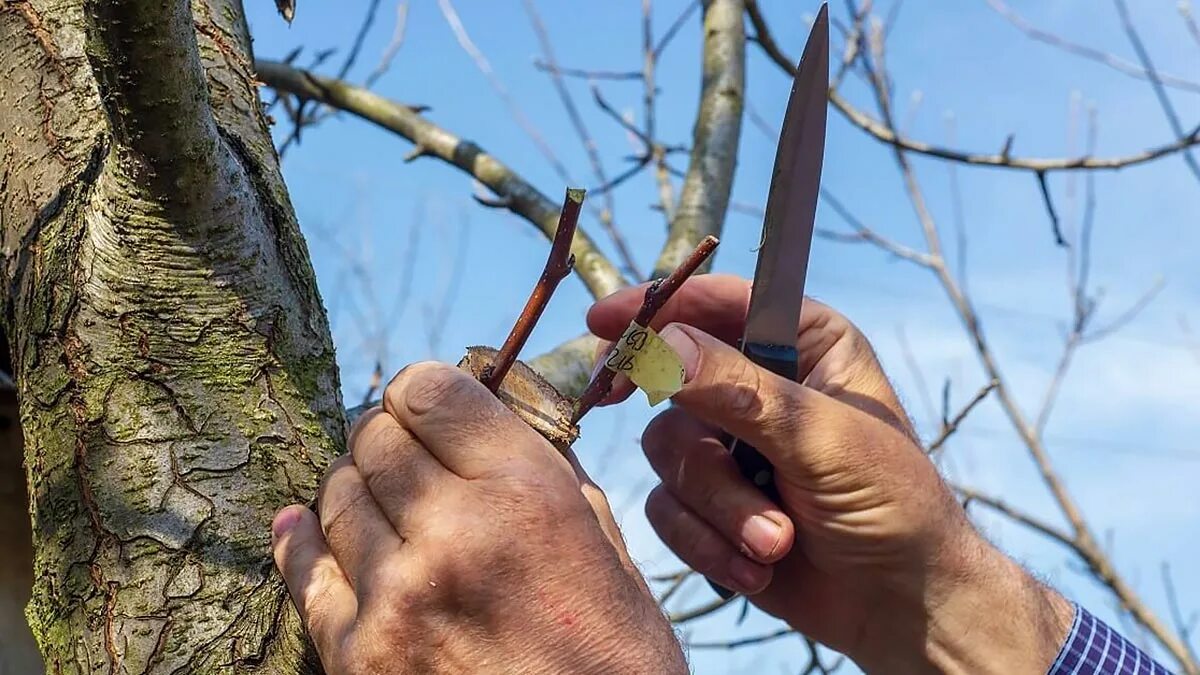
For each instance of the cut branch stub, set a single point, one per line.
(528, 395)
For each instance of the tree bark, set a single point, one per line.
(173, 361)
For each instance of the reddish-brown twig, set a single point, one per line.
(558, 266)
(657, 295)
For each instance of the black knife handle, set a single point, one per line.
(783, 360)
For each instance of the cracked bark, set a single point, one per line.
(172, 357)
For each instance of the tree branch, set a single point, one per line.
(704, 196)
(605, 215)
(948, 428)
(999, 506)
(1155, 82)
(886, 134)
(599, 274)
(154, 90)
(1116, 63)
(568, 366)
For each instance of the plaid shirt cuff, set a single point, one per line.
(1093, 648)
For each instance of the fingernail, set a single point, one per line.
(761, 535)
(685, 347)
(750, 577)
(284, 521)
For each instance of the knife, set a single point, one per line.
(770, 335)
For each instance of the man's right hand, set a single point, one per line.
(868, 551)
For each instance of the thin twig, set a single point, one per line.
(694, 613)
(485, 67)
(1115, 62)
(393, 45)
(1001, 507)
(948, 428)
(558, 266)
(744, 642)
(657, 295)
(885, 133)
(605, 215)
(1182, 626)
(1048, 201)
(1155, 82)
(359, 38)
(1189, 20)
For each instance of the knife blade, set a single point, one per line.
(772, 319)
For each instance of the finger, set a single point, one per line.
(696, 467)
(700, 546)
(460, 422)
(715, 303)
(358, 533)
(319, 590)
(398, 471)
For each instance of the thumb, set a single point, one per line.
(725, 389)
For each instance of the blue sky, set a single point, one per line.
(1124, 431)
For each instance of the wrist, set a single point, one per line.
(978, 612)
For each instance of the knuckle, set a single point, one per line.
(423, 387)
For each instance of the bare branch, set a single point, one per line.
(596, 271)
(701, 611)
(743, 642)
(862, 233)
(393, 46)
(558, 266)
(1013, 514)
(1115, 62)
(1182, 626)
(485, 67)
(1048, 201)
(704, 196)
(1124, 318)
(606, 214)
(356, 46)
(886, 134)
(1189, 19)
(948, 428)
(1155, 82)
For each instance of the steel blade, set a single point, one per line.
(774, 313)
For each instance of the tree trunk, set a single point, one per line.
(173, 361)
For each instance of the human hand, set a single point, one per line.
(453, 538)
(868, 551)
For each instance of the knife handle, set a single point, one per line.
(785, 362)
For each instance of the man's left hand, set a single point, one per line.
(454, 538)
